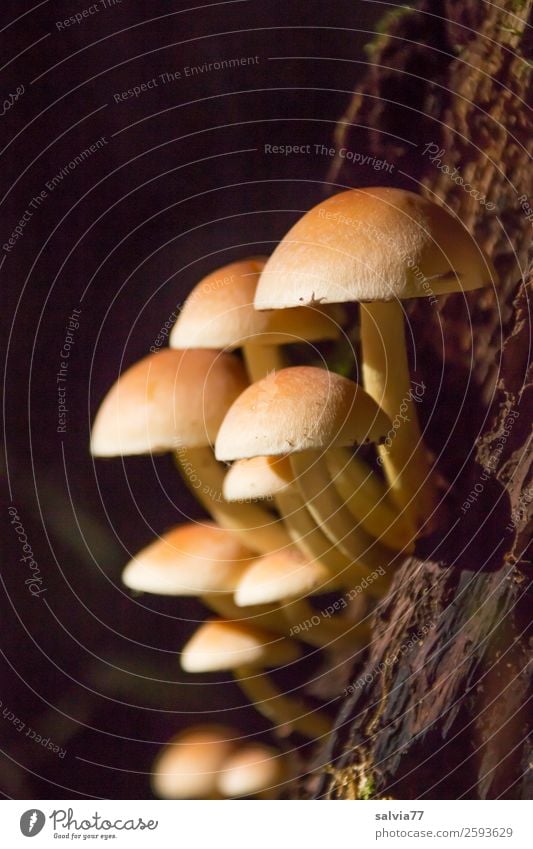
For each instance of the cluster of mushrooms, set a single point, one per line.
(301, 511)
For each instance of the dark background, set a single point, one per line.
(181, 186)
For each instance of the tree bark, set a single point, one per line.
(439, 709)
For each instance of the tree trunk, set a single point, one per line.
(439, 708)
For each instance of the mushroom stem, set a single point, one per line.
(367, 499)
(256, 527)
(262, 359)
(387, 379)
(278, 708)
(314, 544)
(283, 620)
(320, 634)
(329, 511)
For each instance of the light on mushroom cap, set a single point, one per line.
(167, 400)
(372, 244)
(220, 644)
(219, 313)
(189, 765)
(281, 575)
(252, 769)
(258, 477)
(298, 409)
(192, 559)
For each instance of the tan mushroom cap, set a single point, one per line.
(297, 409)
(252, 769)
(281, 575)
(258, 477)
(220, 313)
(167, 400)
(189, 765)
(372, 244)
(219, 644)
(192, 559)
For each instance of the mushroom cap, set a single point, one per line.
(372, 244)
(189, 560)
(220, 313)
(188, 767)
(296, 409)
(167, 400)
(258, 477)
(220, 644)
(252, 769)
(281, 575)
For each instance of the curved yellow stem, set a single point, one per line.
(387, 379)
(292, 713)
(366, 497)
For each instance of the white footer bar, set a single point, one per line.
(267, 824)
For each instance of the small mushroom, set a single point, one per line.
(288, 576)
(210, 762)
(379, 246)
(246, 650)
(190, 765)
(190, 560)
(258, 477)
(166, 400)
(219, 313)
(281, 575)
(175, 401)
(253, 770)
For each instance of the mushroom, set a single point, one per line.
(246, 650)
(219, 313)
(253, 770)
(281, 575)
(258, 477)
(287, 576)
(190, 765)
(191, 559)
(165, 400)
(208, 562)
(210, 762)
(175, 401)
(379, 246)
(305, 411)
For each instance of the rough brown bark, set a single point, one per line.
(440, 707)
